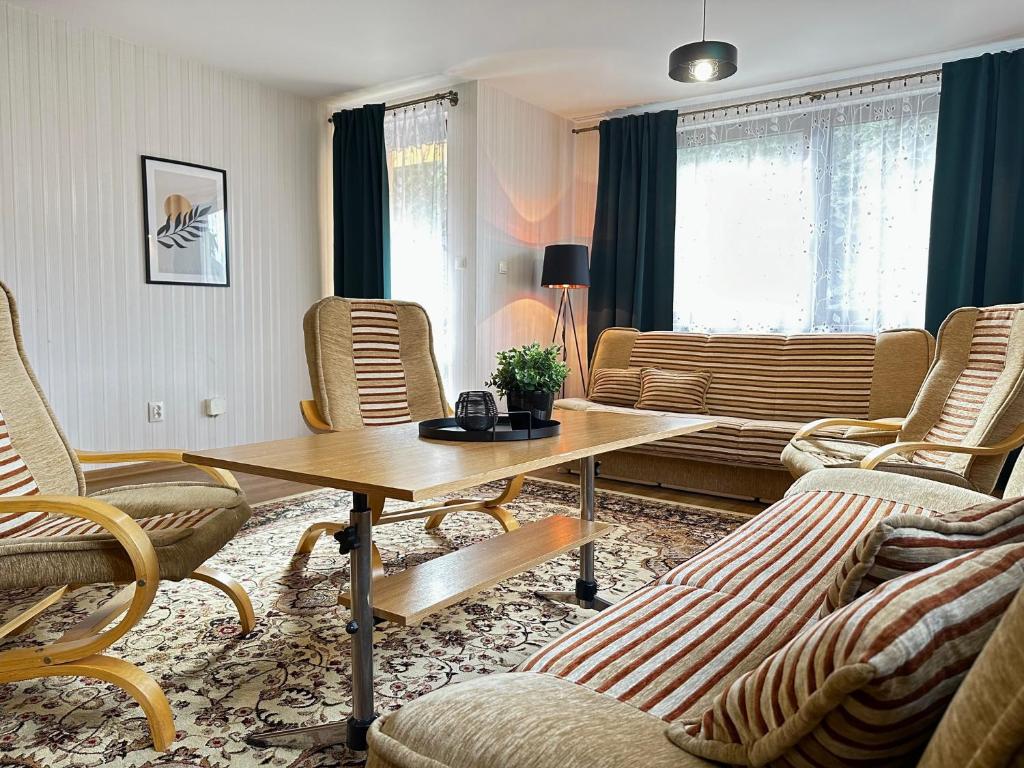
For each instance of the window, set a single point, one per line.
(806, 221)
(417, 153)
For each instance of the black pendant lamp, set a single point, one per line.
(702, 62)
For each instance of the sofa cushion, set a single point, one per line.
(786, 556)
(766, 376)
(867, 684)
(982, 724)
(615, 386)
(904, 543)
(675, 391)
(667, 649)
(518, 720)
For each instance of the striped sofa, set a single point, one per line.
(763, 389)
(613, 690)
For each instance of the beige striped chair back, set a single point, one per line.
(767, 376)
(974, 393)
(371, 362)
(33, 448)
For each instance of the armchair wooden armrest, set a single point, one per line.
(136, 545)
(79, 650)
(879, 424)
(877, 456)
(222, 476)
(312, 417)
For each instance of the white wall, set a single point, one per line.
(524, 202)
(78, 109)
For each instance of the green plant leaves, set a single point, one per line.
(531, 368)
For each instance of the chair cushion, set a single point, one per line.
(615, 386)
(518, 720)
(666, 649)
(812, 453)
(905, 543)
(15, 480)
(867, 684)
(186, 522)
(675, 391)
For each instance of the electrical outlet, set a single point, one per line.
(155, 408)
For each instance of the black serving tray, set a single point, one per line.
(510, 426)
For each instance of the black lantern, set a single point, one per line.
(476, 411)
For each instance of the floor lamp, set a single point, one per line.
(566, 266)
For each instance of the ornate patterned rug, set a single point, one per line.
(291, 669)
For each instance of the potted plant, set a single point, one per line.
(528, 377)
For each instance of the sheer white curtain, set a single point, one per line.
(813, 219)
(417, 150)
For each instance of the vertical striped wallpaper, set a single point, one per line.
(77, 109)
(524, 188)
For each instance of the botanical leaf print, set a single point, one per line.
(185, 228)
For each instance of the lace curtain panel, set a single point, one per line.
(417, 151)
(806, 220)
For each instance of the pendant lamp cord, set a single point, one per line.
(704, 26)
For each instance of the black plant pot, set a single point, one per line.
(540, 404)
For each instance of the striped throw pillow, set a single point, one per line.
(866, 685)
(906, 543)
(615, 386)
(678, 391)
(15, 480)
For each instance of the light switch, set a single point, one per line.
(502, 267)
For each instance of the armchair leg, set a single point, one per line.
(491, 507)
(309, 537)
(233, 589)
(139, 684)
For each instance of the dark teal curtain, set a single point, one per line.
(976, 252)
(361, 247)
(632, 257)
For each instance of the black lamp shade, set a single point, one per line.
(565, 266)
(718, 58)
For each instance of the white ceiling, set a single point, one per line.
(573, 57)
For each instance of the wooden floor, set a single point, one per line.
(260, 489)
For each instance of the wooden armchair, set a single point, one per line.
(967, 417)
(371, 364)
(55, 537)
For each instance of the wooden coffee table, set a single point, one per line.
(394, 462)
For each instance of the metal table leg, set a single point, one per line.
(585, 595)
(356, 540)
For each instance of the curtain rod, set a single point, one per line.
(809, 95)
(450, 96)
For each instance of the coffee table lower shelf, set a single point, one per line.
(409, 596)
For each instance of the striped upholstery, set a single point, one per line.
(667, 649)
(376, 354)
(906, 543)
(60, 525)
(963, 405)
(15, 480)
(748, 442)
(866, 685)
(784, 378)
(675, 391)
(786, 555)
(615, 386)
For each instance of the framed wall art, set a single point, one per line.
(185, 210)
